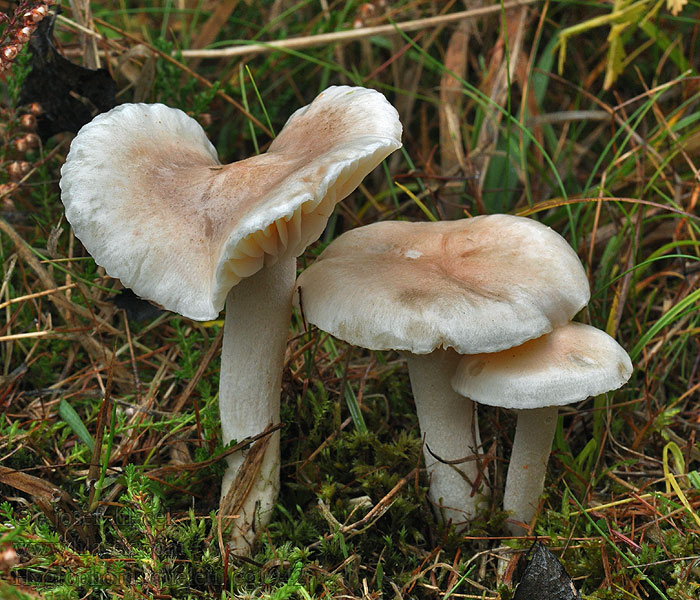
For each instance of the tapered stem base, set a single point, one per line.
(534, 434)
(258, 311)
(448, 424)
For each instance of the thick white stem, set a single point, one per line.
(445, 419)
(258, 311)
(534, 434)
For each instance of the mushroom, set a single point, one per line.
(435, 291)
(146, 194)
(568, 365)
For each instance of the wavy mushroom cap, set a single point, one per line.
(146, 195)
(568, 365)
(476, 285)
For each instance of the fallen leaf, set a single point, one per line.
(56, 504)
(675, 6)
(545, 578)
(70, 95)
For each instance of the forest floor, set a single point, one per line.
(584, 116)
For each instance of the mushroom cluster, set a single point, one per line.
(444, 292)
(147, 196)
(568, 365)
(481, 307)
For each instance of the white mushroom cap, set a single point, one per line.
(475, 285)
(147, 196)
(568, 365)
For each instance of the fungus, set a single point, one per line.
(438, 290)
(568, 365)
(146, 194)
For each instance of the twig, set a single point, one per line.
(351, 35)
(60, 288)
(189, 71)
(65, 307)
(203, 366)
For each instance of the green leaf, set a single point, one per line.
(694, 479)
(688, 305)
(73, 420)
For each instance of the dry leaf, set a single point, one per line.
(675, 6)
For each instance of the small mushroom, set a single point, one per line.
(568, 365)
(435, 291)
(145, 193)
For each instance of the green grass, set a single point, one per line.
(137, 516)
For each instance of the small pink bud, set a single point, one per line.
(23, 35)
(28, 121)
(7, 188)
(31, 139)
(27, 142)
(35, 15)
(9, 52)
(8, 557)
(366, 10)
(18, 169)
(35, 109)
